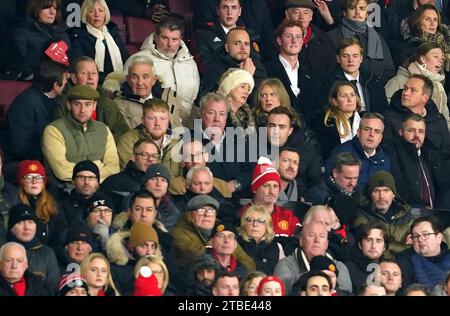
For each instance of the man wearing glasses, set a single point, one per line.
(145, 153)
(428, 261)
(195, 228)
(366, 146)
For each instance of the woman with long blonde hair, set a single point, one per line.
(95, 269)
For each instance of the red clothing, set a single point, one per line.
(308, 35)
(284, 221)
(20, 287)
(101, 293)
(232, 266)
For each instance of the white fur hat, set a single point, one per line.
(232, 78)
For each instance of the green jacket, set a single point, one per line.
(107, 113)
(398, 228)
(189, 244)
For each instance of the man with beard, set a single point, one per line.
(205, 269)
(174, 65)
(381, 203)
(288, 167)
(155, 126)
(78, 137)
(417, 166)
(236, 53)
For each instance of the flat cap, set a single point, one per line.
(82, 92)
(202, 200)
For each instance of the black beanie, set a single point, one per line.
(20, 212)
(86, 165)
(80, 231)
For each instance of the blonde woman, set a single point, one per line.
(256, 238)
(250, 284)
(340, 121)
(95, 269)
(158, 268)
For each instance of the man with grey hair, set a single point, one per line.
(366, 146)
(15, 280)
(140, 85)
(173, 64)
(313, 241)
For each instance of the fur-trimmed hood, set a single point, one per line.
(116, 248)
(121, 223)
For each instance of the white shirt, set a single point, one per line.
(359, 87)
(225, 29)
(142, 100)
(292, 74)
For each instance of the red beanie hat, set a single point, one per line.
(30, 166)
(264, 172)
(146, 283)
(269, 279)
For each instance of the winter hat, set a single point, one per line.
(69, 281)
(82, 92)
(57, 52)
(146, 283)
(156, 170)
(269, 279)
(381, 179)
(80, 232)
(299, 4)
(30, 166)
(86, 165)
(202, 200)
(20, 212)
(100, 199)
(205, 261)
(345, 207)
(264, 172)
(320, 263)
(140, 233)
(221, 227)
(232, 78)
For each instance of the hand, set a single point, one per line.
(248, 65)
(159, 13)
(324, 11)
(231, 186)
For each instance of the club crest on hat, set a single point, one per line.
(332, 268)
(33, 167)
(284, 225)
(220, 228)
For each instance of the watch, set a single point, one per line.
(237, 185)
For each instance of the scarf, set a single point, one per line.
(20, 287)
(439, 96)
(114, 52)
(243, 118)
(374, 46)
(308, 34)
(353, 128)
(442, 40)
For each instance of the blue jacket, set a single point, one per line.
(378, 162)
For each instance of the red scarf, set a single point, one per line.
(20, 287)
(342, 231)
(308, 35)
(231, 267)
(94, 115)
(101, 293)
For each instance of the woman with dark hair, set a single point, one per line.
(42, 26)
(340, 121)
(99, 39)
(424, 25)
(428, 61)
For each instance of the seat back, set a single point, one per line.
(137, 31)
(119, 21)
(9, 90)
(177, 6)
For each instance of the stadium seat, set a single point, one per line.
(119, 21)
(177, 6)
(137, 30)
(9, 90)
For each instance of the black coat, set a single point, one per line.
(384, 67)
(304, 102)
(30, 40)
(373, 89)
(28, 115)
(328, 136)
(360, 268)
(437, 131)
(35, 286)
(135, 8)
(221, 62)
(265, 255)
(127, 181)
(83, 44)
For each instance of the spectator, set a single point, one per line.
(205, 269)
(99, 39)
(391, 277)
(159, 269)
(95, 269)
(155, 10)
(271, 286)
(78, 137)
(72, 285)
(99, 216)
(316, 283)
(250, 283)
(226, 284)
(416, 289)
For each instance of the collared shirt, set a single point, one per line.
(216, 146)
(225, 29)
(360, 90)
(142, 100)
(292, 74)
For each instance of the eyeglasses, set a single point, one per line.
(424, 236)
(147, 156)
(255, 221)
(37, 178)
(204, 210)
(86, 178)
(106, 211)
(225, 237)
(158, 272)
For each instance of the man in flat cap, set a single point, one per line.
(78, 137)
